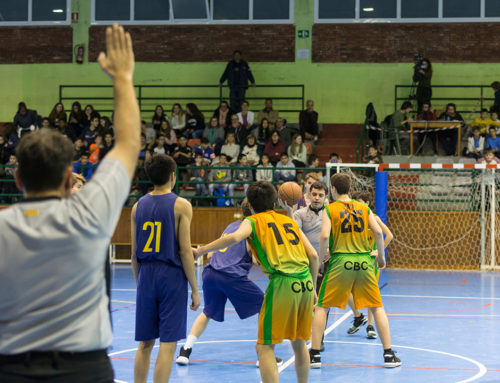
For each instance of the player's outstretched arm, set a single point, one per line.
(324, 237)
(386, 231)
(118, 63)
(312, 255)
(184, 212)
(379, 239)
(133, 239)
(243, 232)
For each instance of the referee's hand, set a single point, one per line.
(118, 61)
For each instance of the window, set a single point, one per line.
(34, 12)
(419, 9)
(405, 11)
(337, 9)
(378, 9)
(191, 11)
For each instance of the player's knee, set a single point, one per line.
(146, 344)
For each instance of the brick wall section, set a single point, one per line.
(443, 42)
(30, 45)
(200, 43)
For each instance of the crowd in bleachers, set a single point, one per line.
(217, 154)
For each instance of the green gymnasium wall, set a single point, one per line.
(340, 91)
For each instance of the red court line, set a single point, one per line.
(257, 276)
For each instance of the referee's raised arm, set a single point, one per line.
(118, 63)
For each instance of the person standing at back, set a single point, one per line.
(54, 320)
(162, 263)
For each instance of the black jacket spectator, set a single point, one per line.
(25, 118)
(308, 121)
(237, 74)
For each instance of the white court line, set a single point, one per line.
(327, 331)
(482, 369)
(438, 297)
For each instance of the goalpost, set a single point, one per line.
(443, 216)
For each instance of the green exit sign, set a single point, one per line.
(303, 34)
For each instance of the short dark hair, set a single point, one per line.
(476, 128)
(284, 154)
(333, 155)
(85, 154)
(198, 154)
(484, 110)
(320, 185)
(262, 196)
(406, 105)
(495, 85)
(237, 51)
(240, 156)
(223, 155)
(492, 128)
(245, 102)
(204, 140)
(364, 195)
(341, 182)
(159, 169)
(43, 158)
(245, 208)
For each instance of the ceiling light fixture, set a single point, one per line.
(57, 11)
(368, 9)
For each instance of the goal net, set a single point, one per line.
(443, 216)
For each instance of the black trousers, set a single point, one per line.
(56, 367)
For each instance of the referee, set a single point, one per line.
(54, 321)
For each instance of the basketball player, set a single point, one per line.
(226, 277)
(162, 263)
(285, 254)
(350, 269)
(54, 322)
(359, 319)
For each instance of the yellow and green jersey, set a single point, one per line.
(275, 242)
(350, 233)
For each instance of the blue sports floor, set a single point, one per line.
(443, 326)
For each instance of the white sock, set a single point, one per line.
(191, 340)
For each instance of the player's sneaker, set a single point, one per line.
(279, 362)
(370, 332)
(322, 347)
(183, 358)
(315, 360)
(391, 360)
(357, 323)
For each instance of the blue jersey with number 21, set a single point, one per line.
(155, 234)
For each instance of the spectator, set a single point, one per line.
(108, 144)
(178, 119)
(427, 113)
(105, 124)
(251, 150)
(219, 175)
(195, 123)
(144, 152)
(496, 89)
(199, 174)
(269, 113)
(395, 123)
(78, 149)
(494, 116)
(65, 130)
(230, 149)
(448, 138)
(373, 156)
(5, 152)
(262, 173)
(206, 151)
(57, 114)
(242, 175)
(170, 136)
(313, 164)
(243, 132)
(234, 127)
(297, 151)
(160, 146)
(284, 174)
(89, 114)
(141, 182)
(493, 142)
(76, 119)
(89, 133)
(286, 132)
(183, 156)
(84, 166)
(489, 158)
(46, 124)
(274, 148)
(246, 116)
(214, 133)
(158, 116)
(263, 133)
(423, 76)
(475, 144)
(335, 158)
(308, 121)
(484, 122)
(25, 120)
(238, 74)
(223, 114)
(95, 149)
(148, 132)
(10, 187)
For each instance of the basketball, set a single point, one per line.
(290, 193)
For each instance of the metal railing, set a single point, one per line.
(207, 97)
(468, 98)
